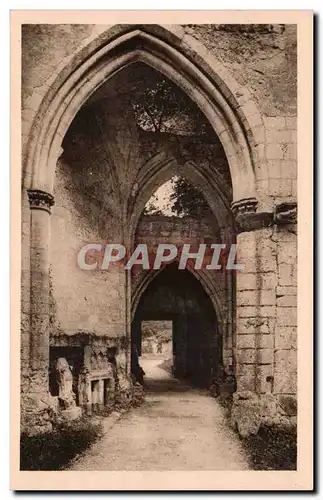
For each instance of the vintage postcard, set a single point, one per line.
(162, 250)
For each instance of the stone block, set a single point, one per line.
(246, 312)
(259, 134)
(246, 377)
(274, 169)
(268, 406)
(267, 311)
(294, 136)
(286, 361)
(246, 341)
(246, 356)
(71, 413)
(285, 337)
(267, 297)
(253, 325)
(290, 152)
(286, 290)
(275, 122)
(285, 382)
(268, 263)
(282, 233)
(274, 135)
(246, 244)
(246, 298)
(291, 122)
(285, 378)
(287, 301)
(289, 169)
(268, 280)
(265, 341)
(252, 341)
(264, 356)
(287, 252)
(280, 187)
(286, 316)
(264, 378)
(274, 151)
(285, 275)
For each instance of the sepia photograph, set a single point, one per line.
(159, 274)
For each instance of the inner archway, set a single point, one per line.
(177, 296)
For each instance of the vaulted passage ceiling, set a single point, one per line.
(135, 132)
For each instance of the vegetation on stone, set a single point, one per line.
(53, 451)
(272, 448)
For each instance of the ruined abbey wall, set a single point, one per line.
(102, 182)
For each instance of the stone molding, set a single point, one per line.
(246, 216)
(253, 221)
(286, 213)
(246, 205)
(40, 200)
(248, 219)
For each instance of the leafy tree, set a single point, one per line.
(151, 208)
(187, 200)
(161, 106)
(158, 331)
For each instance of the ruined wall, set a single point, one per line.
(39, 60)
(261, 57)
(155, 229)
(82, 301)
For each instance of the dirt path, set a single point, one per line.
(176, 428)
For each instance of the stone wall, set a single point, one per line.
(83, 301)
(266, 345)
(262, 57)
(156, 229)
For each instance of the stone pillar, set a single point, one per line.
(258, 295)
(37, 406)
(124, 386)
(101, 393)
(255, 315)
(40, 205)
(95, 386)
(109, 391)
(285, 374)
(256, 310)
(84, 389)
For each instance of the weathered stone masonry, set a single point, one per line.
(230, 72)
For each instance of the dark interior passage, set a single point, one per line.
(177, 296)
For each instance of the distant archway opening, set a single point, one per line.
(177, 296)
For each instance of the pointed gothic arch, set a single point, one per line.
(186, 65)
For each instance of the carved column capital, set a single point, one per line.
(246, 205)
(40, 200)
(286, 213)
(247, 218)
